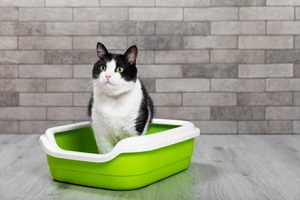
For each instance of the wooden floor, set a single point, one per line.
(224, 167)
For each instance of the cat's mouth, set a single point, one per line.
(108, 83)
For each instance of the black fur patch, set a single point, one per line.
(90, 106)
(142, 118)
(129, 73)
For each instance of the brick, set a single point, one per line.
(283, 2)
(297, 42)
(8, 14)
(283, 113)
(266, 42)
(141, 28)
(68, 85)
(210, 14)
(100, 14)
(45, 71)
(182, 85)
(209, 99)
(166, 99)
(237, 56)
(280, 127)
(67, 113)
(217, 127)
(9, 99)
(182, 28)
(238, 113)
(39, 127)
(46, 99)
(265, 99)
(16, 57)
(8, 43)
(8, 71)
(298, 12)
(71, 3)
(183, 56)
(210, 71)
(296, 98)
(127, 3)
(237, 3)
(145, 57)
(283, 84)
(22, 113)
(266, 71)
(127, 28)
(184, 113)
(266, 13)
(70, 57)
(282, 56)
(22, 3)
(45, 14)
(159, 71)
(9, 127)
(155, 14)
(83, 71)
(237, 85)
(149, 84)
(72, 28)
(81, 99)
(265, 127)
(210, 42)
(156, 42)
(22, 85)
(45, 43)
(296, 127)
(283, 27)
(238, 28)
(21, 28)
(90, 42)
(296, 70)
(114, 28)
(182, 3)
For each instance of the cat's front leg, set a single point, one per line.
(105, 145)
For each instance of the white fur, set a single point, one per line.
(115, 108)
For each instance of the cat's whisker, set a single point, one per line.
(96, 83)
(88, 87)
(90, 84)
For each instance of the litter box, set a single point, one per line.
(133, 163)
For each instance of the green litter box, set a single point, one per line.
(134, 162)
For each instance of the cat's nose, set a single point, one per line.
(107, 76)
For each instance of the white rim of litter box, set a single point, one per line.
(143, 143)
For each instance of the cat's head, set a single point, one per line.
(115, 74)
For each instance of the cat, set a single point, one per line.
(120, 105)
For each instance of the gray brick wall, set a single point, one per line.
(231, 67)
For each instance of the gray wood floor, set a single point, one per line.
(223, 167)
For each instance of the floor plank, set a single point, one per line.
(223, 167)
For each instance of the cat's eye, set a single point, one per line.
(120, 69)
(102, 67)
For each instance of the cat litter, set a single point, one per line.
(133, 163)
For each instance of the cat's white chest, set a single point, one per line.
(116, 116)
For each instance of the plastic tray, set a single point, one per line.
(134, 162)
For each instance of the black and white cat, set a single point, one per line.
(120, 106)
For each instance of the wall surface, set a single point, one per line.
(230, 66)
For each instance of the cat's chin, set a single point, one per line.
(108, 84)
(110, 90)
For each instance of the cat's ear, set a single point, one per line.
(131, 54)
(101, 51)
